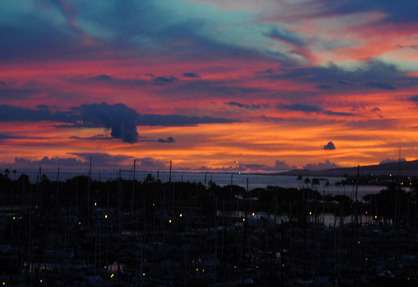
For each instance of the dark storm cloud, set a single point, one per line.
(306, 108)
(285, 36)
(251, 107)
(167, 140)
(120, 119)
(191, 75)
(164, 140)
(178, 120)
(338, 114)
(374, 75)
(163, 80)
(36, 33)
(127, 82)
(330, 146)
(17, 136)
(41, 113)
(111, 80)
(381, 86)
(102, 78)
(414, 99)
(10, 92)
(396, 11)
(7, 136)
(89, 138)
(88, 30)
(310, 108)
(31, 34)
(194, 86)
(215, 89)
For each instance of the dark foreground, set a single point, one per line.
(129, 233)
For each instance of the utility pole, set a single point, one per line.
(133, 187)
(356, 196)
(169, 175)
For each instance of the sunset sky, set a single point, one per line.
(258, 85)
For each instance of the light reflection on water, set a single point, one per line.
(327, 219)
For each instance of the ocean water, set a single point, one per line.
(327, 185)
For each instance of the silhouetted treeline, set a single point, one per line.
(392, 204)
